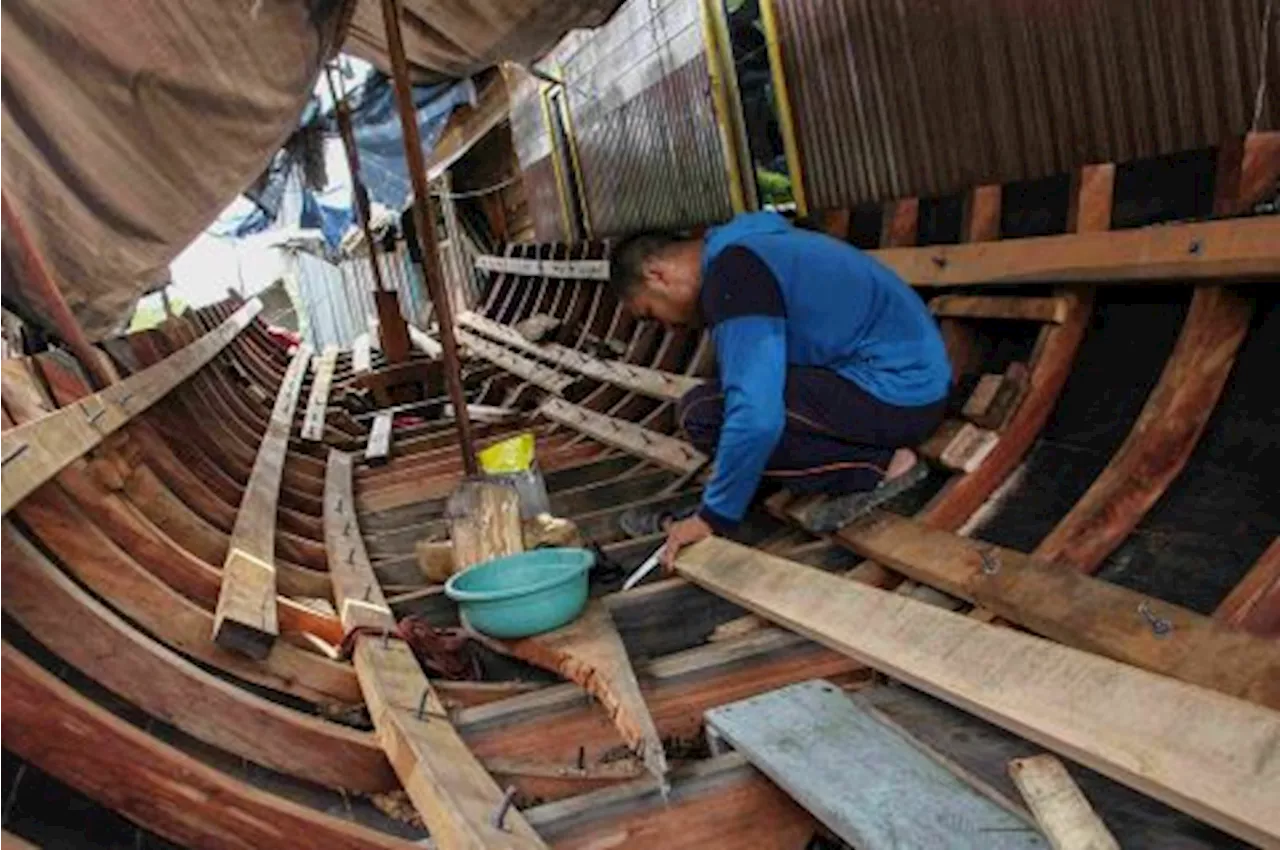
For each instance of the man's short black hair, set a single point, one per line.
(629, 254)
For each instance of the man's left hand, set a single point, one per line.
(680, 534)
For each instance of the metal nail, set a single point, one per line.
(939, 261)
(990, 562)
(582, 758)
(1195, 247)
(368, 589)
(17, 450)
(422, 705)
(1160, 627)
(96, 415)
(500, 814)
(386, 638)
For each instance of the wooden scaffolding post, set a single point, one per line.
(423, 220)
(343, 113)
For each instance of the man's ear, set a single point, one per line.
(656, 273)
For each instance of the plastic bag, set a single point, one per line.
(510, 455)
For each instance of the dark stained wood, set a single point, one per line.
(393, 331)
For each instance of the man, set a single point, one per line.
(830, 367)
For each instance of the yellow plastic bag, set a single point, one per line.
(511, 455)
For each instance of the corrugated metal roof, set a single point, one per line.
(895, 98)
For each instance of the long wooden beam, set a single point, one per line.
(1052, 310)
(1075, 609)
(650, 382)
(33, 453)
(532, 371)
(1235, 249)
(454, 794)
(245, 620)
(318, 400)
(669, 452)
(1205, 753)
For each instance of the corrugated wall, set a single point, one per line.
(895, 98)
(337, 300)
(639, 96)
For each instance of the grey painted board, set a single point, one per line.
(860, 777)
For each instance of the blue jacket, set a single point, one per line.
(800, 298)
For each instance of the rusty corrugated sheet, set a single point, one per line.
(894, 98)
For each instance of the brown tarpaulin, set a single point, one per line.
(128, 127)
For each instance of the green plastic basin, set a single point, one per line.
(525, 594)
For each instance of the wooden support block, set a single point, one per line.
(35, 452)
(392, 328)
(590, 653)
(996, 397)
(362, 354)
(435, 559)
(378, 449)
(867, 783)
(1060, 807)
(900, 223)
(484, 522)
(1048, 310)
(245, 619)
(547, 530)
(425, 343)
(1199, 751)
(981, 218)
(1092, 191)
(958, 445)
(317, 403)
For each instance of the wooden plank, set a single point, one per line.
(1254, 603)
(33, 453)
(447, 785)
(535, 373)
(981, 218)
(484, 523)
(651, 382)
(1092, 191)
(378, 447)
(1163, 436)
(152, 783)
(9, 841)
(668, 452)
(590, 653)
(866, 782)
(996, 397)
(959, 445)
(1205, 753)
(425, 343)
(900, 223)
(1239, 249)
(392, 328)
(556, 269)
(362, 353)
(1049, 310)
(1074, 609)
(468, 125)
(1059, 805)
(245, 619)
(318, 402)
(166, 685)
(1248, 170)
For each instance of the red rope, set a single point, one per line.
(445, 652)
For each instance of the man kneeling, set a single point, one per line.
(830, 367)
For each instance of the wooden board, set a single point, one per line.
(245, 619)
(378, 448)
(590, 653)
(1210, 755)
(33, 453)
(392, 329)
(556, 269)
(866, 782)
(425, 343)
(1254, 603)
(1067, 606)
(448, 786)
(535, 373)
(1174, 253)
(1059, 805)
(654, 383)
(959, 445)
(318, 401)
(1051, 310)
(484, 523)
(668, 452)
(362, 353)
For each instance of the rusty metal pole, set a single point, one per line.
(37, 281)
(424, 221)
(343, 113)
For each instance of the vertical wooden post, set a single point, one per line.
(981, 222)
(424, 219)
(1092, 190)
(1248, 168)
(343, 113)
(900, 224)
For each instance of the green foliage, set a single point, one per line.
(775, 187)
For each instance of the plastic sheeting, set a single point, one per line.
(126, 131)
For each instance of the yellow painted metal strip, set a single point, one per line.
(782, 97)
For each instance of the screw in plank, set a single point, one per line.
(990, 562)
(17, 451)
(582, 758)
(368, 590)
(351, 553)
(500, 814)
(421, 713)
(1160, 627)
(96, 415)
(1195, 247)
(939, 261)
(386, 638)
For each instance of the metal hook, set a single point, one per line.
(990, 562)
(500, 814)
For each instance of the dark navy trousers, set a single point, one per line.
(838, 438)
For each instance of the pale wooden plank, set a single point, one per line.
(861, 778)
(425, 343)
(484, 523)
(33, 453)
(454, 794)
(669, 452)
(378, 448)
(1207, 754)
(318, 401)
(245, 619)
(1059, 805)
(535, 373)
(1050, 310)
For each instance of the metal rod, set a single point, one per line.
(37, 281)
(424, 220)
(343, 113)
